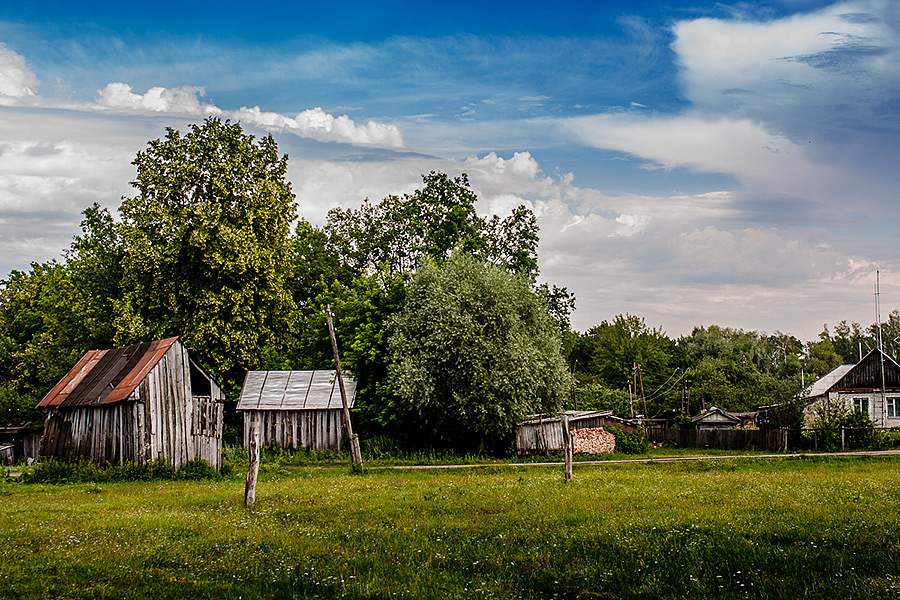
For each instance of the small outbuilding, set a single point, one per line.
(540, 434)
(19, 443)
(295, 409)
(145, 402)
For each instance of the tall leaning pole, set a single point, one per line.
(355, 453)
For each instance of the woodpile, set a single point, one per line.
(594, 441)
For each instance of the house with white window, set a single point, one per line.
(872, 386)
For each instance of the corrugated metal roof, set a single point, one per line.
(294, 390)
(825, 383)
(107, 376)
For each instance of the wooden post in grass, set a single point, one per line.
(567, 445)
(253, 470)
(348, 427)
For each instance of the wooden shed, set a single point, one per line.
(145, 402)
(295, 409)
(19, 443)
(538, 434)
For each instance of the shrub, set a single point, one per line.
(629, 443)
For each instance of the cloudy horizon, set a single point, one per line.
(690, 163)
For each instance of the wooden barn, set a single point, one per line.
(539, 434)
(148, 401)
(295, 409)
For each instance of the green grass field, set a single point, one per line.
(724, 529)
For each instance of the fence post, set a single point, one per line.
(567, 445)
(253, 469)
(842, 438)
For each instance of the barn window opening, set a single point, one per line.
(861, 405)
(200, 385)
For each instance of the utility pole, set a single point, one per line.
(639, 380)
(348, 427)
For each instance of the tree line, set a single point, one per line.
(438, 310)
(729, 368)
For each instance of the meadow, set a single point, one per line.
(747, 528)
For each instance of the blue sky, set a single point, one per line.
(693, 163)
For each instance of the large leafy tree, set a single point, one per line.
(617, 346)
(472, 352)
(205, 247)
(739, 370)
(433, 222)
(44, 327)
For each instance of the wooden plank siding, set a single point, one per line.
(317, 429)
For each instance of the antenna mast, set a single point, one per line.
(880, 349)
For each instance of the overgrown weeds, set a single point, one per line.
(54, 471)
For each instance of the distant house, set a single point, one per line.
(295, 409)
(540, 434)
(716, 418)
(145, 402)
(864, 386)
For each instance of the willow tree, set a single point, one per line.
(205, 243)
(472, 352)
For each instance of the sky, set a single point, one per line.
(691, 163)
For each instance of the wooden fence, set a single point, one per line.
(773, 440)
(778, 440)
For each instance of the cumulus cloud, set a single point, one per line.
(316, 124)
(313, 123)
(17, 82)
(183, 100)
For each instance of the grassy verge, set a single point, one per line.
(727, 529)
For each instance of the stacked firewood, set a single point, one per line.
(594, 441)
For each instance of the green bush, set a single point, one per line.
(630, 443)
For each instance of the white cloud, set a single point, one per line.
(813, 58)
(763, 159)
(521, 164)
(785, 106)
(180, 101)
(17, 82)
(313, 123)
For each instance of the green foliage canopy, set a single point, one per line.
(205, 244)
(473, 351)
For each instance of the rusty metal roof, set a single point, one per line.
(294, 390)
(107, 376)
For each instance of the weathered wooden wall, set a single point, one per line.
(176, 430)
(316, 429)
(20, 443)
(101, 434)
